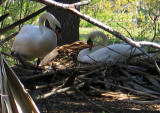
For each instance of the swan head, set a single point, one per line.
(58, 31)
(90, 44)
(55, 25)
(95, 34)
(53, 22)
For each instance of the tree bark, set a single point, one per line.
(69, 23)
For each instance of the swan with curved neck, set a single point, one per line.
(109, 54)
(37, 41)
(95, 34)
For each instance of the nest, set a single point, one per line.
(136, 80)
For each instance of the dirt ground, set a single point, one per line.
(75, 102)
(81, 101)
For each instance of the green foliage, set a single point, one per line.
(138, 17)
(17, 10)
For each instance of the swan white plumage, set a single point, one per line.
(37, 41)
(109, 54)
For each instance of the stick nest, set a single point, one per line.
(136, 80)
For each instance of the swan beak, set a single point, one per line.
(90, 44)
(58, 33)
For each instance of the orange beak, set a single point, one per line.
(90, 46)
(58, 33)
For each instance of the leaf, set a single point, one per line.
(16, 99)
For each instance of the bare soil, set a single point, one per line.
(82, 101)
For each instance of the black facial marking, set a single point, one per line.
(89, 41)
(58, 28)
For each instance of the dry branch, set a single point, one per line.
(143, 102)
(106, 110)
(130, 89)
(8, 38)
(36, 76)
(54, 91)
(3, 16)
(146, 75)
(48, 85)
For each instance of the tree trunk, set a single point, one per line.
(69, 23)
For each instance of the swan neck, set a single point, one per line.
(105, 39)
(51, 19)
(41, 22)
(95, 34)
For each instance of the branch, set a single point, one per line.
(62, 5)
(3, 16)
(36, 76)
(8, 38)
(130, 89)
(82, 3)
(94, 102)
(155, 27)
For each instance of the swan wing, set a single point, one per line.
(96, 55)
(120, 52)
(124, 49)
(110, 54)
(26, 41)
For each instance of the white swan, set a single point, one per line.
(109, 54)
(37, 41)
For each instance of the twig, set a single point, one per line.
(69, 81)
(128, 75)
(6, 54)
(139, 92)
(141, 73)
(48, 85)
(143, 102)
(36, 76)
(54, 91)
(89, 67)
(82, 3)
(141, 88)
(125, 29)
(62, 5)
(94, 102)
(155, 26)
(3, 16)
(149, 52)
(94, 71)
(8, 38)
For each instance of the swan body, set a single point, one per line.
(37, 41)
(109, 54)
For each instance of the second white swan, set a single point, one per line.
(109, 54)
